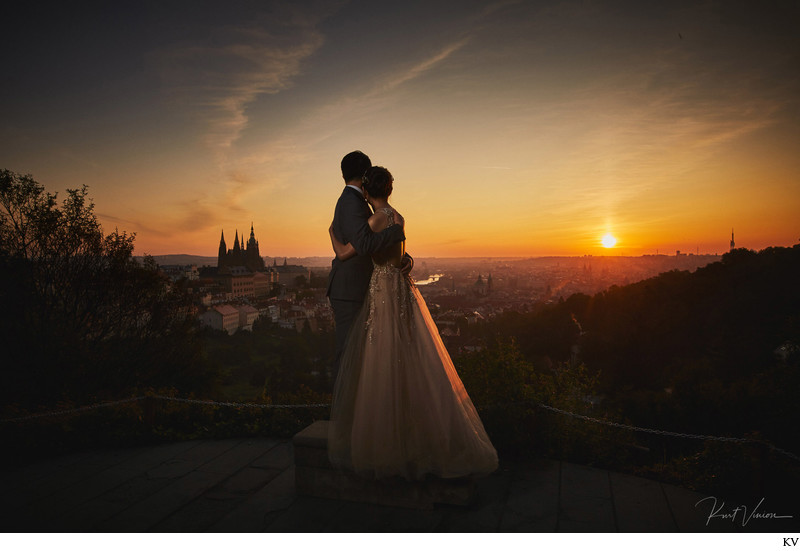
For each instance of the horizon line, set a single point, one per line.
(476, 256)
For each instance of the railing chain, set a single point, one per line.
(299, 406)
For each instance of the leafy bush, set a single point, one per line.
(83, 320)
(509, 392)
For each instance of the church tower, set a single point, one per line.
(253, 259)
(236, 243)
(480, 286)
(733, 244)
(252, 241)
(223, 252)
(235, 256)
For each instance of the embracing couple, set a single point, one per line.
(399, 407)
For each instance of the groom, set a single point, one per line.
(348, 280)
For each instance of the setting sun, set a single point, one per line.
(608, 241)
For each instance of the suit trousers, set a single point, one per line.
(344, 312)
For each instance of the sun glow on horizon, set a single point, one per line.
(608, 241)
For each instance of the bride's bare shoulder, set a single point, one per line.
(379, 221)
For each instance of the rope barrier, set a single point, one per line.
(670, 433)
(158, 397)
(641, 429)
(73, 410)
(299, 406)
(238, 404)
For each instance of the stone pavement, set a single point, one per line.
(248, 485)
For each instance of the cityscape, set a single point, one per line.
(240, 286)
(600, 199)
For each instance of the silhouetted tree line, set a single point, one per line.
(82, 319)
(270, 362)
(715, 351)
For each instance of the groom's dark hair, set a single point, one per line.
(354, 165)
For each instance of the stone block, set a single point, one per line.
(313, 436)
(312, 457)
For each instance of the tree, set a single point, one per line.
(83, 318)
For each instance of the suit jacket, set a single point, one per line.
(349, 279)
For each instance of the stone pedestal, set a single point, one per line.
(315, 476)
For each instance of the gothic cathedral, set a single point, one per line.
(249, 257)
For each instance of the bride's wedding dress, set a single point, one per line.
(399, 407)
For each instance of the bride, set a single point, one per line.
(399, 407)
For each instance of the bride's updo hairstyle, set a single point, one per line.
(378, 182)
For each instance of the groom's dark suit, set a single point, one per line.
(349, 279)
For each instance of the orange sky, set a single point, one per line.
(512, 128)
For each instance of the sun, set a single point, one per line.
(608, 241)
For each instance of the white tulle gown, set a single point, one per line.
(399, 407)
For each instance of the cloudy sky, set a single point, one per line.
(512, 128)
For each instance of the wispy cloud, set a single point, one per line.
(216, 208)
(217, 80)
(417, 69)
(128, 225)
(495, 7)
(324, 121)
(631, 136)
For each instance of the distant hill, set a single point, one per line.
(307, 261)
(184, 259)
(437, 263)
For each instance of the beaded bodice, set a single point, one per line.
(389, 287)
(392, 256)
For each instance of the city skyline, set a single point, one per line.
(513, 129)
(610, 250)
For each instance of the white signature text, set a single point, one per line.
(739, 512)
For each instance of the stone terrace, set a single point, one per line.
(248, 485)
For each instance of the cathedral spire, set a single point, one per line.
(223, 251)
(733, 243)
